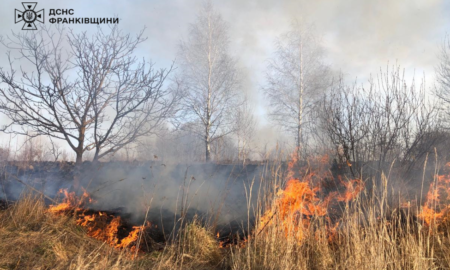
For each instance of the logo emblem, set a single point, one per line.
(29, 16)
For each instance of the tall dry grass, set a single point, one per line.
(31, 238)
(373, 233)
(195, 247)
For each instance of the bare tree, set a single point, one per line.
(90, 91)
(209, 79)
(296, 78)
(443, 78)
(55, 150)
(386, 120)
(32, 149)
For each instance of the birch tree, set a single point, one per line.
(209, 79)
(296, 76)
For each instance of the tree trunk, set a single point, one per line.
(80, 149)
(208, 149)
(208, 101)
(97, 151)
(79, 159)
(300, 106)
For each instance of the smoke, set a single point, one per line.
(166, 191)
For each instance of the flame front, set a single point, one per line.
(435, 210)
(101, 226)
(294, 206)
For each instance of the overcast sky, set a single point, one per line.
(360, 36)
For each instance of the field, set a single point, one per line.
(305, 217)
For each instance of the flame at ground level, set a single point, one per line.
(435, 211)
(303, 199)
(299, 202)
(100, 225)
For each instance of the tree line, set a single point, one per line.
(94, 93)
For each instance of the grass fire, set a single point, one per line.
(236, 135)
(100, 225)
(309, 216)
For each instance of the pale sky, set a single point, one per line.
(359, 36)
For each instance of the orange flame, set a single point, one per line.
(100, 226)
(70, 202)
(352, 190)
(436, 207)
(300, 200)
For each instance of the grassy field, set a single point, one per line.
(295, 229)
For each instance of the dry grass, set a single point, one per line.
(30, 238)
(371, 235)
(196, 248)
